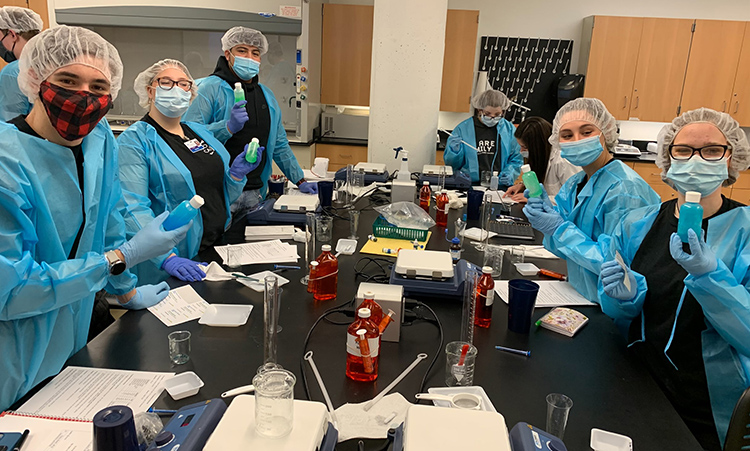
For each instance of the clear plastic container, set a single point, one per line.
(274, 402)
(183, 214)
(691, 216)
(494, 181)
(530, 181)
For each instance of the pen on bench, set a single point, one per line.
(161, 411)
(285, 267)
(514, 351)
(20, 441)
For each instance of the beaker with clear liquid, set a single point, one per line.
(274, 402)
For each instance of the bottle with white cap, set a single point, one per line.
(376, 312)
(485, 295)
(183, 213)
(239, 93)
(530, 181)
(494, 180)
(362, 348)
(691, 216)
(327, 280)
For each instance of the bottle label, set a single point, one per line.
(489, 298)
(353, 348)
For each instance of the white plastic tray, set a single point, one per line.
(602, 440)
(473, 389)
(183, 385)
(226, 315)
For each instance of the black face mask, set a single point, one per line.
(7, 55)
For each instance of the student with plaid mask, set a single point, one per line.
(62, 234)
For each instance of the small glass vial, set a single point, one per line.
(326, 282)
(313, 275)
(441, 218)
(485, 295)
(455, 249)
(376, 312)
(425, 193)
(691, 216)
(362, 348)
(530, 181)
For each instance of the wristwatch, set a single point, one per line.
(116, 265)
(301, 181)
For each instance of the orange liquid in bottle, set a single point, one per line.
(312, 277)
(485, 294)
(425, 193)
(376, 312)
(359, 365)
(441, 217)
(327, 280)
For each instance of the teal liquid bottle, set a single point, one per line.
(530, 181)
(252, 151)
(183, 214)
(239, 93)
(691, 216)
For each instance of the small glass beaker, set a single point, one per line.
(274, 402)
(179, 347)
(517, 254)
(486, 176)
(458, 370)
(234, 257)
(324, 225)
(493, 257)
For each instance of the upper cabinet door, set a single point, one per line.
(346, 54)
(660, 73)
(712, 64)
(458, 60)
(612, 62)
(740, 107)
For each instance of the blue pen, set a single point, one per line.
(285, 267)
(514, 351)
(161, 411)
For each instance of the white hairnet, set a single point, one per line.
(147, 77)
(735, 136)
(243, 35)
(20, 19)
(585, 109)
(62, 46)
(491, 98)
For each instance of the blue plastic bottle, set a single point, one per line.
(691, 216)
(184, 212)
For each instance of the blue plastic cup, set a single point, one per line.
(474, 204)
(325, 193)
(276, 187)
(521, 299)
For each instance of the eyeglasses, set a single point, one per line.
(713, 152)
(167, 83)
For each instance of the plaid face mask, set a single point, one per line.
(74, 114)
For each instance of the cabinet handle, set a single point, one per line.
(345, 156)
(637, 101)
(625, 102)
(724, 106)
(736, 107)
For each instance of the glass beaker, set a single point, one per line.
(274, 402)
(309, 243)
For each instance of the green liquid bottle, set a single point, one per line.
(252, 151)
(530, 181)
(239, 93)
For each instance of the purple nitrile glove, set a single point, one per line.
(184, 269)
(238, 117)
(309, 188)
(241, 167)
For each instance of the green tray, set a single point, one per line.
(382, 229)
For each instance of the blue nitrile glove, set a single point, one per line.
(152, 241)
(309, 188)
(542, 215)
(184, 269)
(505, 180)
(238, 117)
(613, 281)
(699, 261)
(241, 167)
(147, 296)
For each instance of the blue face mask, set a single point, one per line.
(583, 152)
(172, 102)
(697, 174)
(245, 68)
(489, 121)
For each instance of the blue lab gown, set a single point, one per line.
(723, 294)
(608, 195)
(212, 107)
(154, 179)
(463, 158)
(46, 299)
(13, 102)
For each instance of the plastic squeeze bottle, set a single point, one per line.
(239, 93)
(691, 216)
(183, 213)
(252, 151)
(530, 181)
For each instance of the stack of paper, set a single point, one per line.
(262, 252)
(551, 294)
(181, 305)
(278, 232)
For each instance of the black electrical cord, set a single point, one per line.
(336, 309)
(385, 272)
(440, 345)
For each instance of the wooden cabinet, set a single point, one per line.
(458, 60)
(340, 155)
(711, 71)
(439, 158)
(740, 104)
(346, 56)
(652, 175)
(39, 6)
(660, 71)
(612, 62)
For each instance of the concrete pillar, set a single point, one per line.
(407, 65)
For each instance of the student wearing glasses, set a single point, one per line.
(164, 161)
(688, 303)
